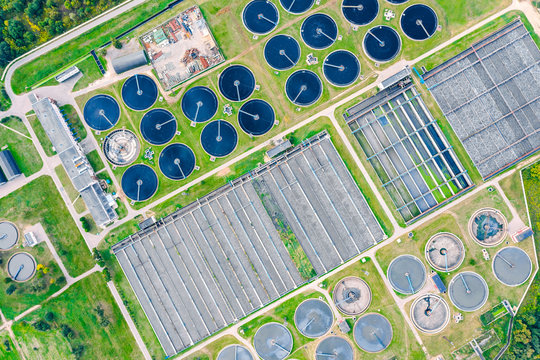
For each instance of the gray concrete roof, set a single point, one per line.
(8, 165)
(74, 161)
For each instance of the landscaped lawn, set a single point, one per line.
(21, 147)
(90, 72)
(7, 349)
(211, 351)
(85, 321)
(39, 201)
(26, 294)
(95, 160)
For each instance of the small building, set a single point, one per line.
(522, 234)
(8, 165)
(146, 223)
(130, 61)
(67, 74)
(30, 240)
(3, 178)
(438, 283)
(278, 149)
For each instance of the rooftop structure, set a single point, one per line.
(130, 61)
(74, 161)
(8, 165)
(67, 74)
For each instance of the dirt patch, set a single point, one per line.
(224, 172)
(225, 10)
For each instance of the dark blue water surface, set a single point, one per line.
(158, 126)
(297, 6)
(256, 117)
(303, 87)
(260, 16)
(341, 68)
(139, 92)
(282, 52)
(199, 104)
(236, 82)
(360, 12)
(101, 112)
(319, 31)
(419, 22)
(219, 138)
(177, 161)
(382, 43)
(139, 182)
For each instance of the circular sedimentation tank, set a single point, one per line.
(419, 22)
(199, 104)
(382, 43)
(488, 227)
(512, 266)
(273, 341)
(430, 313)
(139, 182)
(335, 348)
(21, 266)
(9, 235)
(397, 2)
(256, 117)
(235, 352)
(101, 112)
(282, 52)
(341, 68)
(177, 161)
(303, 88)
(373, 332)
(352, 295)
(468, 291)
(445, 251)
(360, 12)
(236, 83)
(319, 31)
(296, 7)
(313, 318)
(158, 126)
(219, 138)
(139, 92)
(260, 17)
(407, 274)
(121, 147)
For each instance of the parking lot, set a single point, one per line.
(490, 94)
(219, 259)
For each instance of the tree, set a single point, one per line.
(11, 289)
(535, 171)
(49, 316)
(6, 54)
(16, 31)
(116, 43)
(42, 325)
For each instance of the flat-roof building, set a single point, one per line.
(8, 165)
(74, 161)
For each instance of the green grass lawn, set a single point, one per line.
(73, 194)
(211, 351)
(98, 329)
(7, 349)
(90, 72)
(511, 186)
(40, 133)
(76, 123)
(455, 220)
(27, 294)
(39, 201)
(15, 123)
(95, 160)
(22, 148)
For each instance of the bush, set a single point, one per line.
(78, 351)
(7, 345)
(11, 288)
(116, 43)
(49, 316)
(67, 331)
(42, 325)
(472, 262)
(8, 280)
(107, 274)
(85, 224)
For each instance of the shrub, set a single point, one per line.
(49, 316)
(11, 288)
(472, 262)
(107, 274)
(67, 331)
(42, 325)
(116, 43)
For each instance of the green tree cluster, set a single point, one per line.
(24, 24)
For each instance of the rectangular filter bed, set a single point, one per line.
(411, 156)
(248, 243)
(490, 94)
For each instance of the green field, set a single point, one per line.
(46, 281)
(7, 349)
(455, 220)
(21, 147)
(86, 324)
(90, 72)
(39, 201)
(95, 160)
